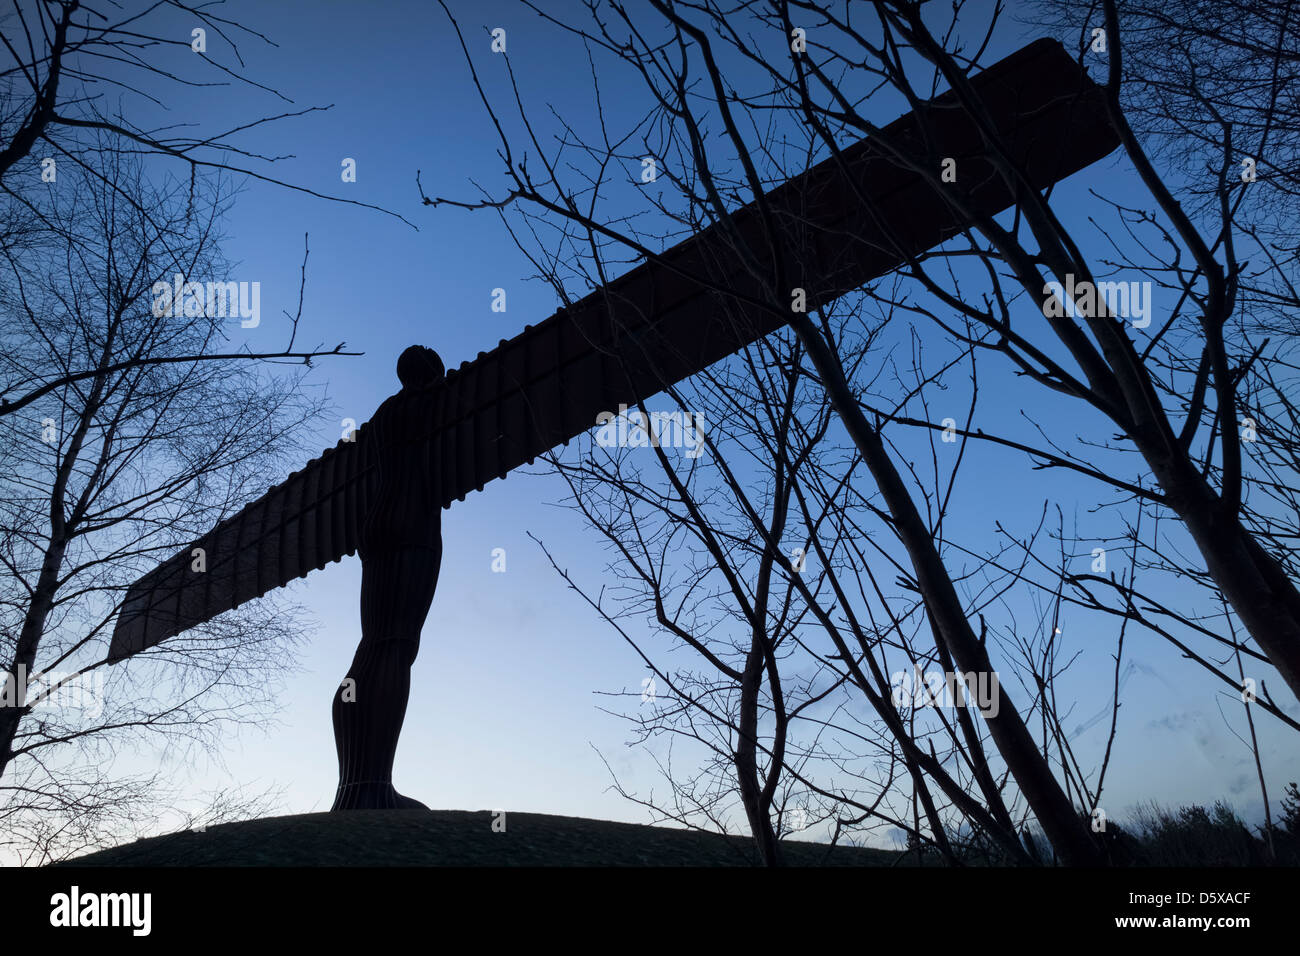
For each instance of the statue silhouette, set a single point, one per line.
(400, 545)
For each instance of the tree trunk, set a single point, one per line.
(1254, 583)
(29, 639)
(1064, 827)
(757, 810)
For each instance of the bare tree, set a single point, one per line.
(1210, 93)
(82, 80)
(66, 56)
(101, 477)
(1197, 467)
(772, 489)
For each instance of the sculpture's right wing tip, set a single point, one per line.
(308, 521)
(132, 632)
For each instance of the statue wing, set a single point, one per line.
(298, 526)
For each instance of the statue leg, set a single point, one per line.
(369, 707)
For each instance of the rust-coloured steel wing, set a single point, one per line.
(851, 218)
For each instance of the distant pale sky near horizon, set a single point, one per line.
(504, 711)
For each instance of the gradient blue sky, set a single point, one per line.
(503, 710)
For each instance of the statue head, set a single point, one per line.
(419, 366)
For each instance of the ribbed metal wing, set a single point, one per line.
(298, 526)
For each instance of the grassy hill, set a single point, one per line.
(457, 838)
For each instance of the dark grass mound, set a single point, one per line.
(457, 838)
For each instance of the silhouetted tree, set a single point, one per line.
(84, 80)
(102, 476)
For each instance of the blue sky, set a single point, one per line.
(503, 711)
